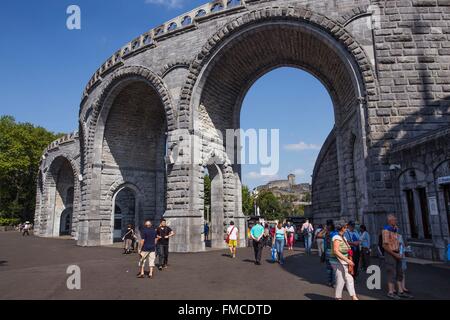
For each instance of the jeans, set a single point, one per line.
(258, 247)
(320, 246)
(279, 246)
(330, 271)
(163, 254)
(308, 240)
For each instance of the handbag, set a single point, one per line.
(351, 269)
(274, 254)
(227, 240)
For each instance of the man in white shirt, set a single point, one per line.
(232, 237)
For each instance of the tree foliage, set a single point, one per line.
(21, 146)
(269, 205)
(247, 201)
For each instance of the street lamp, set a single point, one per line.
(255, 195)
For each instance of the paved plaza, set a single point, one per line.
(35, 268)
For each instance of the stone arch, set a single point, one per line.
(62, 175)
(184, 64)
(127, 139)
(116, 81)
(354, 14)
(216, 210)
(268, 38)
(112, 195)
(364, 75)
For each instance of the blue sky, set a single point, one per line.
(44, 68)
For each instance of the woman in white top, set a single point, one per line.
(232, 237)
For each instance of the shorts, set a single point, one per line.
(232, 243)
(150, 256)
(393, 269)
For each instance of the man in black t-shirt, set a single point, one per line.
(163, 234)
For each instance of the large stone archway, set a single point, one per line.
(128, 130)
(247, 48)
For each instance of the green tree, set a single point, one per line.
(247, 201)
(269, 205)
(21, 146)
(307, 197)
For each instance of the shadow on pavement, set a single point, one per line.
(314, 296)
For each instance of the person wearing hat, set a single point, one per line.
(353, 237)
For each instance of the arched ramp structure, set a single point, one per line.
(153, 115)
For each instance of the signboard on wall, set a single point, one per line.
(443, 180)
(432, 204)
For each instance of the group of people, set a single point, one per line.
(345, 251)
(150, 243)
(277, 238)
(343, 248)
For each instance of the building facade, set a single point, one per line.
(154, 116)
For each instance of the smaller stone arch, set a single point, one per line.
(116, 188)
(112, 85)
(55, 195)
(354, 14)
(184, 64)
(217, 208)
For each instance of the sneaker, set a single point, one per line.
(160, 268)
(393, 296)
(404, 295)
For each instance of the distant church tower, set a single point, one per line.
(291, 179)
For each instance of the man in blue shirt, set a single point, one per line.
(256, 233)
(353, 238)
(147, 252)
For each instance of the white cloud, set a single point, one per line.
(302, 146)
(254, 175)
(299, 172)
(171, 4)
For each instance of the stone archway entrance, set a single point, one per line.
(66, 222)
(216, 209)
(132, 142)
(126, 211)
(238, 60)
(60, 181)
